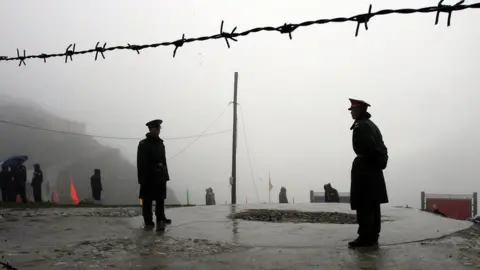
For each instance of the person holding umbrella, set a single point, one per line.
(18, 175)
(20, 182)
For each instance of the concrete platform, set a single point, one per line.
(77, 239)
(211, 222)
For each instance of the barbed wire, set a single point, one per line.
(287, 28)
(107, 137)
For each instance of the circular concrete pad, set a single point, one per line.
(212, 223)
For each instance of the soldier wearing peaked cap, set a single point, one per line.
(367, 189)
(153, 176)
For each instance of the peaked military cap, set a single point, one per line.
(154, 123)
(356, 103)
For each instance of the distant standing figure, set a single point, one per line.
(96, 184)
(210, 197)
(6, 183)
(282, 197)
(20, 182)
(153, 176)
(331, 194)
(37, 181)
(367, 189)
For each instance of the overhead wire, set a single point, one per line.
(248, 153)
(199, 136)
(106, 137)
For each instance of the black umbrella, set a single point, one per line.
(15, 160)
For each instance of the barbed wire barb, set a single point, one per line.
(44, 56)
(134, 48)
(100, 50)
(448, 9)
(179, 43)
(287, 29)
(69, 52)
(363, 18)
(21, 58)
(233, 35)
(226, 35)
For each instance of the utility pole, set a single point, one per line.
(234, 142)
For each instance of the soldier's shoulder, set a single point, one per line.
(142, 142)
(363, 125)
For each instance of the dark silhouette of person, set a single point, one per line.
(153, 176)
(210, 197)
(282, 196)
(331, 194)
(37, 182)
(96, 185)
(6, 183)
(367, 189)
(20, 182)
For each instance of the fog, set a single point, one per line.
(421, 80)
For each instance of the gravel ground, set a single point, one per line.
(468, 242)
(115, 253)
(296, 216)
(15, 214)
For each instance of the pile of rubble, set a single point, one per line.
(267, 215)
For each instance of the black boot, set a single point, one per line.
(149, 224)
(165, 220)
(362, 242)
(160, 226)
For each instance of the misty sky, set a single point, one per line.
(422, 81)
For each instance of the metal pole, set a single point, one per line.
(234, 142)
(475, 204)
(422, 200)
(269, 185)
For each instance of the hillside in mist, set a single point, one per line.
(64, 157)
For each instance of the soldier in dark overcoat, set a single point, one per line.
(367, 190)
(210, 197)
(36, 184)
(96, 184)
(153, 175)
(331, 194)
(282, 196)
(19, 173)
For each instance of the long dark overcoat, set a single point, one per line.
(152, 168)
(367, 180)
